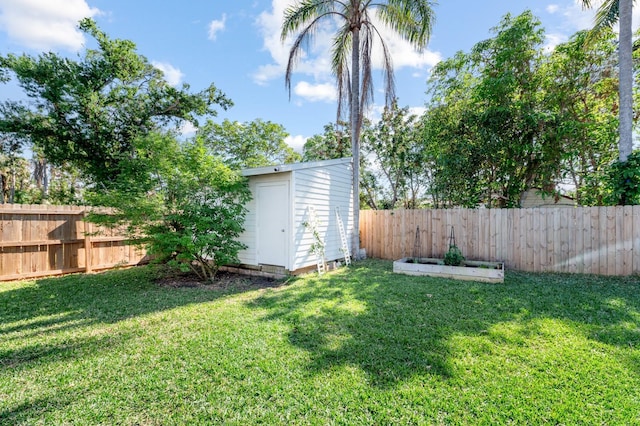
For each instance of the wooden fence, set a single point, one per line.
(38, 240)
(592, 240)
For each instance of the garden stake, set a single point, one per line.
(417, 249)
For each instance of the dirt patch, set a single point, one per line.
(223, 281)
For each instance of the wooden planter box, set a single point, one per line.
(491, 272)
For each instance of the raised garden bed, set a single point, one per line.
(491, 272)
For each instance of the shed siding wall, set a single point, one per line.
(325, 189)
(534, 198)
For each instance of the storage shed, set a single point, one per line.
(534, 197)
(278, 231)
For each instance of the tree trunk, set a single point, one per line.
(625, 52)
(355, 137)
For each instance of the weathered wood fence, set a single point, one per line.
(592, 240)
(39, 240)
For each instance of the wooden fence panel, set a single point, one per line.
(635, 236)
(598, 240)
(40, 240)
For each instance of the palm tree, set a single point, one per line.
(356, 32)
(610, 12)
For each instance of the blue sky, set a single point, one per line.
(236, 45)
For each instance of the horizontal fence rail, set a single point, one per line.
(41, 240)
(591, 240)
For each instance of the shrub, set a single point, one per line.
(623, 181)
(453, 257)
(188, 213)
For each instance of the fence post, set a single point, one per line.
(87, 243)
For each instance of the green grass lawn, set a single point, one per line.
(355, 346)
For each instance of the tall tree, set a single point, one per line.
(580, 89)
(489, 122)
(252, 144)
(91, 112)
(610, 12)
(333, 143)
(10, 154)
(352, 54)
(395, 152)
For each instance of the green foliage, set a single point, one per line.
(15, 183)
(188, 213)
(392, 165)
(335, 142)
(65, 187)
(318, 245)
(507, 116)
(91, 112)
(253, 144)
(623, 181)
(580, 89)
(453, 257)
(487, 104)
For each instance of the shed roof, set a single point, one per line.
(284, 168)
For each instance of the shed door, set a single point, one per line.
(273, 223)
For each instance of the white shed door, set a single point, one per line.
(273, 223)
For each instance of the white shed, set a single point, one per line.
(277, 231)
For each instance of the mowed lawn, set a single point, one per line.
(355, 346)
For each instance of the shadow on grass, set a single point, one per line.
(18, 414)
(29, 313)
(393, 326)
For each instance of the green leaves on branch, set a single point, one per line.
(203, 214)
(623, 181)
(252, 144)
(335, 142)
(454, 257)
(90, 112)
(188, 213)
(393, 161)
(509, 116)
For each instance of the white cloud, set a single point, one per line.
(216, 26)
(315, 59)
(45, 24)
(552, 40)
(374, 112)
(266, 73)
(577, 18)
(552, 8)
(316, 92)
(402, 53)
(296, 142)
(187, 129)
(172, 75)
(417, 110)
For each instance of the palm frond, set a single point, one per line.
(305, 14)
(301, 13)
(387, 69)
(340, 65)
(412, 20)
(366, 94)
(607, 14)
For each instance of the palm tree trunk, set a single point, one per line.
(355, 137)
(625, 51)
